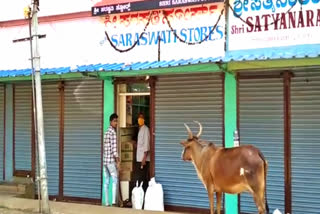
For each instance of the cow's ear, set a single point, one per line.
(184, 143)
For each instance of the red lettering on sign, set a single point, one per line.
(143, 17)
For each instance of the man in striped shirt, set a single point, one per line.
(111, 159)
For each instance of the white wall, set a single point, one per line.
(13, 9)
(83, 41)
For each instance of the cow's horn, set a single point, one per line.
(189, 131)
(200, 129)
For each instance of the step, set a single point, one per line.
(12, 188)
(20, 186)
(21, 180)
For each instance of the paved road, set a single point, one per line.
(11, 211)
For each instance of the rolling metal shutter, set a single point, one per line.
(305, 144)
(2, 132)
(82, 139)
(51, 101)
(23, 125)
(261, 124)
(183, 99)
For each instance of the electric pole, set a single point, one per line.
(32, 13)
(39, 111)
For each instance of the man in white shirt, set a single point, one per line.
(143, 152)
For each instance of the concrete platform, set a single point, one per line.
(12, 202)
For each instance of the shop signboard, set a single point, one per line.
(273, 23)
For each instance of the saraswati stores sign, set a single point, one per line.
(273, 23)
(190, 24)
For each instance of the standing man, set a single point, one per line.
(111, 158)
(143, 152)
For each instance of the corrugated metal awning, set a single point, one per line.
(290, 52)
(112, 67)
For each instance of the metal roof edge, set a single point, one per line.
(273, 64)
(72, 74)
(275, 53)
(121, 68)
(240, 62)
(192, 68)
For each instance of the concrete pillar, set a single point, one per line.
(108, 109)
(230, 97)
(9, 132)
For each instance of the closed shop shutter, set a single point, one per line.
(23, 126)
(261, 124)
(51, 101)
(2, 132)
(183, 99)
(305, 143)
(82, 139)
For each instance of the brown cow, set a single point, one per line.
(223, 170)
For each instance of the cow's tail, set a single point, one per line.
(265, 163)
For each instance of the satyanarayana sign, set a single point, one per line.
(271, 23)
(179, 31)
